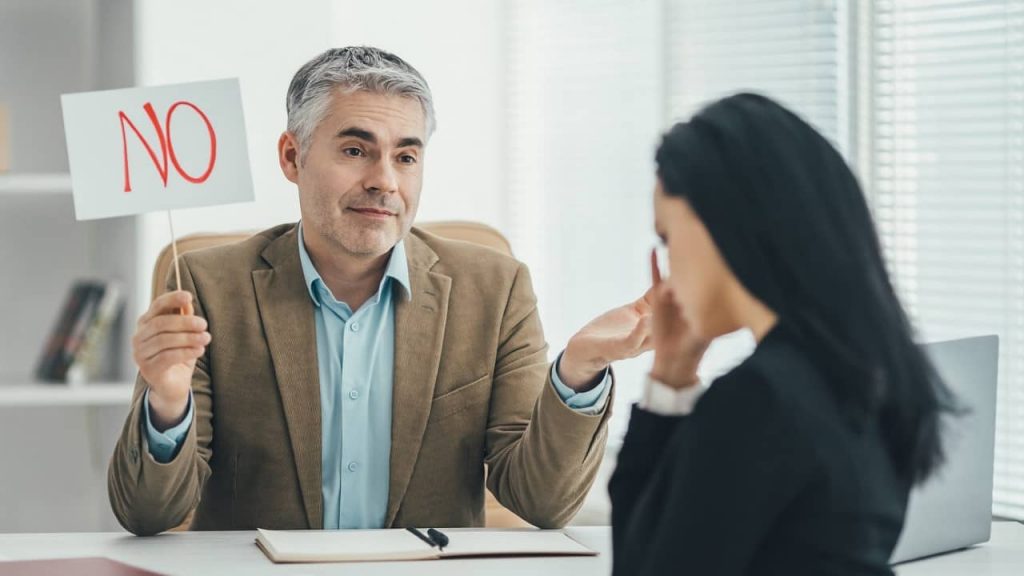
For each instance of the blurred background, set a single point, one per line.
(549, 112)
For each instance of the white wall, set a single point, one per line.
(584, 116)
(457, 46)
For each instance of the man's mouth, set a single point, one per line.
(373, 212)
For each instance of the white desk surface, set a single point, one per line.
(235, 553)
(219, 553)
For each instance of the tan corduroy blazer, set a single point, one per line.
(471, 388)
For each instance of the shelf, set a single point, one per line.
(54, 183)
(46, 394)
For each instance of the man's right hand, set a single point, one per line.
(165, 347)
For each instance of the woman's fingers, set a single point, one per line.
(655, 271)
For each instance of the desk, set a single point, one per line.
(220, 553)
(202, 553)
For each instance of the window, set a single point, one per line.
(790, 50)
(946, 172)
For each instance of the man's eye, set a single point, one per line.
(353, 152)
(407, 159)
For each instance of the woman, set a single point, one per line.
(800, 460)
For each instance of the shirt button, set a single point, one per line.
(354, 394)
(353, 466)
(355, 326)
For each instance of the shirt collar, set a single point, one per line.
(398, 270)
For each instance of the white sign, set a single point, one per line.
(146, 149)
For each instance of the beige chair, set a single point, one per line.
(474, 232)
(496, 515)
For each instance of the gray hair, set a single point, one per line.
(351, 69)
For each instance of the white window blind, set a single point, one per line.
(947, 177)
(791, 50)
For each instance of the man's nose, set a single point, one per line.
(381, 177)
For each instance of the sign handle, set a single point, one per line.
(174, 251)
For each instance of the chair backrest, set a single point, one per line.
(474, 232)
(496, 515)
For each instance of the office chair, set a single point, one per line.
(495, 515)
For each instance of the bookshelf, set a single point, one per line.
(56, 439)
(36, 394)
(47, 48)
(58, 183)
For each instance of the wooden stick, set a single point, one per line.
(174, 251)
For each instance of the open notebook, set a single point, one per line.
(397, 544)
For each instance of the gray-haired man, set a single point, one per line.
(352, 371)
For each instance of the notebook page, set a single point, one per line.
(512, 543)
(343, 545)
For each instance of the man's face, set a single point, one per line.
(360, 177)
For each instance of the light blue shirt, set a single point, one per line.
(355, 354)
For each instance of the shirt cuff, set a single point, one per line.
(666, 401)
(590, 402)
(163, 446)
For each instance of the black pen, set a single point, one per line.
(421, 536)
(438, 537)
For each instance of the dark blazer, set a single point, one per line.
(765, 476)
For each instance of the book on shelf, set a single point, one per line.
(73, 352)
(54, 346)
(87, 363)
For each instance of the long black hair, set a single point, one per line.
(792, 224)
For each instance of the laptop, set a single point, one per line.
(953, 509)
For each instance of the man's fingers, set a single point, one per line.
(168, 358)
(640, 332)
(168, 324)
(169, 303)
(171, 323)
(169, 341)
(646, 302)
(648, 343)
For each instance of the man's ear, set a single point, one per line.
(288, 156)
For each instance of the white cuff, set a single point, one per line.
(666, 401)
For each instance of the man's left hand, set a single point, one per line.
(620, 333)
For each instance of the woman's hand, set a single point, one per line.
(677, 350)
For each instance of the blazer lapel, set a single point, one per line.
(289, 324)
(419, 335)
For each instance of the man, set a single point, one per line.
(352, 371)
